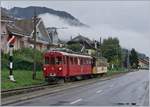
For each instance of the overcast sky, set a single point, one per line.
(127, 20)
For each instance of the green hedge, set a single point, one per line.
(25, 65)
(23, 59)
(4, 61)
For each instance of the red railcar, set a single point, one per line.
(62, 65)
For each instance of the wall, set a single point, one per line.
(4, 37)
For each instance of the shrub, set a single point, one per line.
(4, 60)
(23, 59)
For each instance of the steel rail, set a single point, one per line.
(10, 92)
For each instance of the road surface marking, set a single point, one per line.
(99, 91)
(76, 101)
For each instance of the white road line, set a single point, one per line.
(99, 91)
(78, 100)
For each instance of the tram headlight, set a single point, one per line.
(44, 68)
(60, 68)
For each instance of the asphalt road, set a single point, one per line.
(129, 89)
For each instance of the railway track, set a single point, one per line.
(10, 92)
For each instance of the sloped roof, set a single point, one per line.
(144, 61)
(24, 27)
(44, 32)
(81, 39)
(13, 29)
(5, 16)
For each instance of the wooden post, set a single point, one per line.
(34, 49)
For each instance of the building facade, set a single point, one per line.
(23, 32)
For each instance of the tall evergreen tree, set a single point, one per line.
(133, 59)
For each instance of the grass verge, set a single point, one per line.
(115, 71)
(23, 78)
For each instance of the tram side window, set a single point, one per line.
(75, 61)
(84, 61)
(71, 60)
(94, 62)
(88, 62)
(46, 60)
(64, 60)
(81, 61)
(58, 60)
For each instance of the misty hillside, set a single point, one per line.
(28, 13)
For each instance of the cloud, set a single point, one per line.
(128, 38)
(53, 20)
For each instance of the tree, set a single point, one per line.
(111, 50)
(133, 59)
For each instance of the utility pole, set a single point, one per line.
(100, 47)
(95, 43)
(34, 53)
(83, 47)
(118, 50)
(128, 60)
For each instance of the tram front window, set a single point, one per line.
(52, 60)
(58, 60)
(46, 60)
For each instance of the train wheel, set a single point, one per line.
(90, 76)
(79, 78)
(67, 79)
(87, 76)
(84, 77)
(102, 74)
(73, 78)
